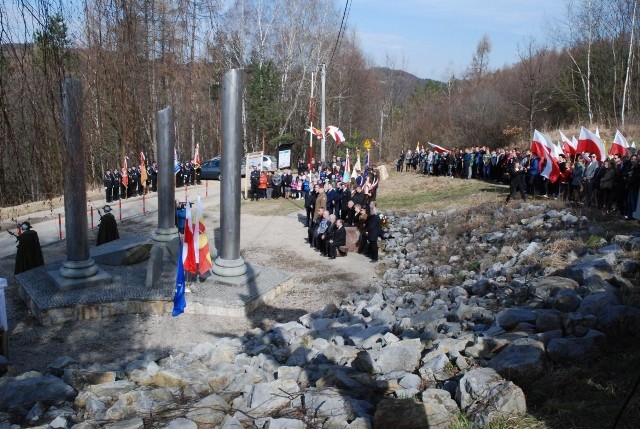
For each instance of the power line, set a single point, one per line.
(343, 25)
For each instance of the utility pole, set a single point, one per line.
(322, 123)
(311, 108)
(380, 137)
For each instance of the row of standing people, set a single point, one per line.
(470, 163)
(284, 184)
(116, 187)
(611, 185)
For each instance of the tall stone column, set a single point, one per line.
(79, 270)
(229, 263)
(78, 264)
(166, 138)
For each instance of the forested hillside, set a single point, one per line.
(135, 57)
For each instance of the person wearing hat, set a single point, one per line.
(108, 185)
(254, 180)
(108, 229)
(29, 254)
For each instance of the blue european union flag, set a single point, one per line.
(179, 299)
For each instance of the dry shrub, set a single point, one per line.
(564, 246)
(559, 250)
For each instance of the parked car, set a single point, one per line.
(211, 169)
(269, 163)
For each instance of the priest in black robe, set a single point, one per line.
(29, 254)
(108, 229)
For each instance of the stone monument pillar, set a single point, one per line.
(166, 137)
(79, 270)
(229, 263)
(165, 237)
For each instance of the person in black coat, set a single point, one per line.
(254, 180)
(372, 231)
(117, 180)
(338, 239)
(108, 185)
(517, 173)
(323, 239)
(345, 197)
(29, 254)
(108, 229)
(309, 204)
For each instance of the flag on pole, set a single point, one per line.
(569, 147)
(125, 173)
(356, 167)
(176, 164)
(200, 238)
(541, 144)
(346, 176)
(336, 134)
(196, 157)
(619, 145)
(558, 150)
(316, 132)
(143, 170)
(438, 149)
(179, 296)
(551, 169)
(590, 142)
(189, 260)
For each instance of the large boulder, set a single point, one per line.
(511, 317)
(331, 402)
(403, 355)
(571, 348)
(21, 393)
(522, 361)
(600, 266)
(483, 395)
(546, 287)
(436, 411)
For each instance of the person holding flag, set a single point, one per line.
(197, 164)
(125, 179)
(143, 173)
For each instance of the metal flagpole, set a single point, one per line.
(313, 83)
(323, 124)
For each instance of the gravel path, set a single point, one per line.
(275, 241)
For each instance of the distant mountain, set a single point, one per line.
(404, 83)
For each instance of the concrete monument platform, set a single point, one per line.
(127, 294)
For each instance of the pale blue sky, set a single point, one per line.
(432, 38)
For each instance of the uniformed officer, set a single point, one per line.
(154, 177)
(117, 179)
(108, 185)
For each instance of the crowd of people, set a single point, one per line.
(333, 203)
(611, 185)
(122, 183)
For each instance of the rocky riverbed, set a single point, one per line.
(470, 307)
